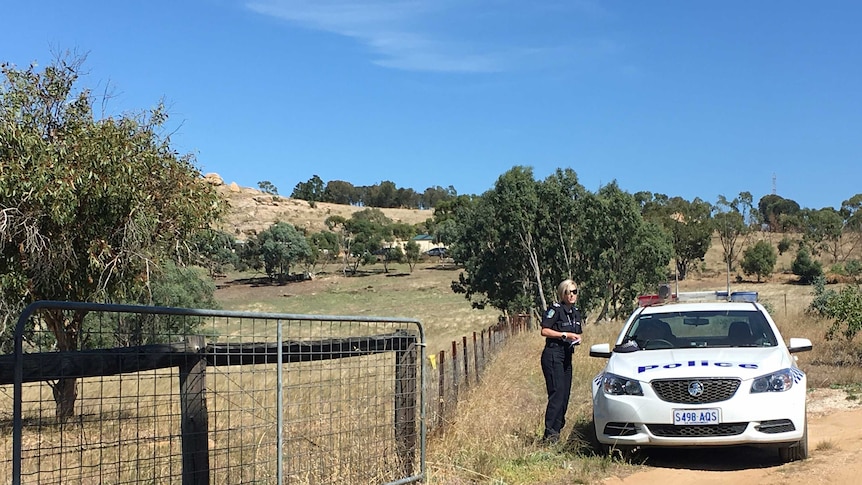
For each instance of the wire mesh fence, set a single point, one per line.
(125, 395)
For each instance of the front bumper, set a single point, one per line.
(772, 418)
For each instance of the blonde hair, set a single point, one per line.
(563, 287)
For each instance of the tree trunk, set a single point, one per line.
(65, 395)
(67, 333)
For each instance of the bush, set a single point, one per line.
(784, 245)
(806, 268)
(844, 308)
(853, 268)
(759, 260)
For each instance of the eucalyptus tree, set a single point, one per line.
(519, 241)
(822, 231)
(776, 212)
(365, 232)
(411, 254)
(731, 219)
(560, 222)
(621, 254)
(491, 273)
(281, 246)
(324, 249)
(340, 192)
(311, 191)
(688, 224)
(759, 259)
(851, 211)
(88, 206)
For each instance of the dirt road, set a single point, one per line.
(835, 454)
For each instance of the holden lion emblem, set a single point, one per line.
(695, 389)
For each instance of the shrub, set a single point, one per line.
(853, 268)
(784, 245)
(806, 268)
(843, 307)
(759, 260)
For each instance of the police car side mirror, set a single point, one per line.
(799, 345)
(600, 350)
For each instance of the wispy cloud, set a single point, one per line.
(420, 35)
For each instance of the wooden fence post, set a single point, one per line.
(484, 353)
(455, 371)
(194, 421)
(405, 404)
(475, 358)
(466, 361)
(441, 387)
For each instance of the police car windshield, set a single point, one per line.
(701, 329)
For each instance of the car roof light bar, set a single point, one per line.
(693, 296)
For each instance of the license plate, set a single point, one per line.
(696, 416)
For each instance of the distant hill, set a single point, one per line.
(252, 210)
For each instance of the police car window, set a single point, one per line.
(711, 329)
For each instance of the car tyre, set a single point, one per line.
(797, 451)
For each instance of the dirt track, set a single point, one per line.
(835, 454)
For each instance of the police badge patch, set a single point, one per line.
(550, 313)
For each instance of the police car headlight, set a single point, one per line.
(776, 382)
(621, 386)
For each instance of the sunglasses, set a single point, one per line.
(572, 292)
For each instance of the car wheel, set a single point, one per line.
(797, 451)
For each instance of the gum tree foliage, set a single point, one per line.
(434, 195)
(559, 222)
(324, 249)
(851, 211)
(391, 254)
(340, 192)
(517, 241)
(89, 206)
(360, 236)
(689, 225)
(171, 285)
(731, 219)
(280, 247)
(776, 212)
(411, 254)
(759, 260)
(843, 307)
(493, 266)
(267, 187)
(822, 232)
(214, 250)
(311, 191)
(624, 255)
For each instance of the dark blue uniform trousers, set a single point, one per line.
(557, 368)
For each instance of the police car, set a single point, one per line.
(688, 372)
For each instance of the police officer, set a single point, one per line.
(561, 328)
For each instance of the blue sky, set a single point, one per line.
(679, 97)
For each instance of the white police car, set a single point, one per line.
(711, 373)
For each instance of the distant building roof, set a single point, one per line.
(423, 237)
